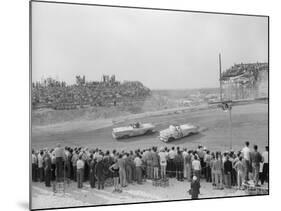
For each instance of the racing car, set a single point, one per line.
(136, 129)
(175, 132)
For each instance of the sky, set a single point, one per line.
(161, 49)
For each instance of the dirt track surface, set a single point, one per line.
(249, 123)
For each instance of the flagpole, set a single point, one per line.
(220, 77)
(230, 122)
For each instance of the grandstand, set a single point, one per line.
(55, 94)
(243, 81)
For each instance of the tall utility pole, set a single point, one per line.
(220, 77)
(230, 125)
(226, 105)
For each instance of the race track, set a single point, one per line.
(250, 122)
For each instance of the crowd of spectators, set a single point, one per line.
(96, 166)
(59, 95)
(248, 69)
(245, 81)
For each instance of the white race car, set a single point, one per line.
(136, 129)
(175, 132)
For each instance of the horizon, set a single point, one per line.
(122, 81)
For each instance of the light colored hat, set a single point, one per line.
(194, 178)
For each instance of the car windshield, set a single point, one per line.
(137, 125)
(172, 127)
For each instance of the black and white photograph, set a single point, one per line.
(140, 105)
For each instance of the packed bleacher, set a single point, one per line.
(50, 93)
(248, 69)
(243, 81)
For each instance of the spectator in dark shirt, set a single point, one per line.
(207, 160)
(265, 169)
(74, 162)
(149, 169)
(227, 172)
(92, 171)
(179, 165)
(47, 169)
(99, 173)
(128, 168)
(34, 161)
(115, 173)
(194, 188)
(68, 165)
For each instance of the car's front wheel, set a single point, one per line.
(148, 132)
(126, 136)
(170, 139)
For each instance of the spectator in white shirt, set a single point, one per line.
(97, 154)
(239, 167)
(60, 155)
(40, 166)
(188, 163)
(265, 168)
(196, 167)
(172, 153)
(163, 163)
(138, 163)
(246, 155)
(184, 154)
(80, 171)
